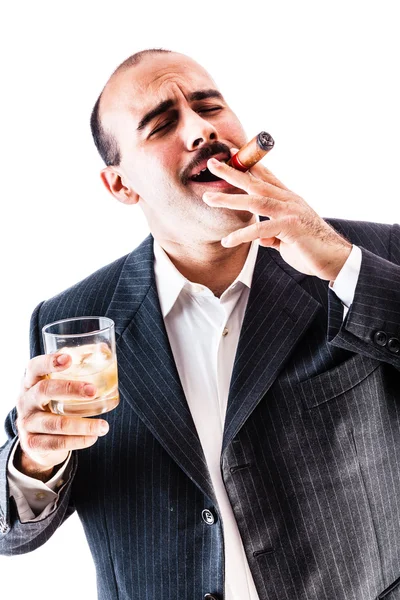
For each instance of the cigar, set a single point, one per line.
(252, 152)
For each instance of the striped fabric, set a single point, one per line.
(311, 452)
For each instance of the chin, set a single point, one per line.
(238, 216)
(225, 221)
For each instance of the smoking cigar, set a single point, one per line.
(252, 152)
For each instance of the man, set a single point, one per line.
(255, 452)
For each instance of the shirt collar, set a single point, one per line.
(170, 282)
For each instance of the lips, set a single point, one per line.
(201, 174)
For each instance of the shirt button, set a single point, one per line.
(40, 495)
(208, 517)
(394, 345)
(380, 338)
(225, 331)
(210, 597)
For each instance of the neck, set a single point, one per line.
(208, 264)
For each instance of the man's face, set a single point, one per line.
(169, 118)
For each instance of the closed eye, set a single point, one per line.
(161, 127)
(168, 123)
(213, 109)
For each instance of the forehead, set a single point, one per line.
(156, 78)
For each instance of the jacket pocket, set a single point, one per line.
(392, 592)
(336, 381)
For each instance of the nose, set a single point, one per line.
(198, 131)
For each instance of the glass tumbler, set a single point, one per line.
(90, 341)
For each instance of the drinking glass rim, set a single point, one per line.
(71, 335)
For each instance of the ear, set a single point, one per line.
(115, 185)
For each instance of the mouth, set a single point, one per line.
(202, 175)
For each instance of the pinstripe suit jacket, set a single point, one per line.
(311, 450)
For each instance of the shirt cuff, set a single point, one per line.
(345, 283)
(34, 498)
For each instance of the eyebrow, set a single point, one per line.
(165, 105)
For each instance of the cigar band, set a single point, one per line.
(236, 164)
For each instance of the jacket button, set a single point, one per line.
(380, 338)
(394, 345)
(208, 518)
(210, 597)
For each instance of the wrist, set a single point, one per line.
(26, 465)
(344, 255)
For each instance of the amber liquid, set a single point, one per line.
(95, 364)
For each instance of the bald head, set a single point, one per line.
(104, 140)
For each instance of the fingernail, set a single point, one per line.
(61, 359)
(104, 427)
(89, 389)
(214, 161)
(225, 241)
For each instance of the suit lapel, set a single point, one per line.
(148, 378)
(278, 313)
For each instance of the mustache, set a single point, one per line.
(205, 153)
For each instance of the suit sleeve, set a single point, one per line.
(17, 537)
(372, 325)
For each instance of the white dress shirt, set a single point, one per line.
(203, 332)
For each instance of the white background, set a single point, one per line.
(322, 78)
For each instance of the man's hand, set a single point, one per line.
(46, 438)
(305, 241)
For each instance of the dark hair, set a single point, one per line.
(105, 141)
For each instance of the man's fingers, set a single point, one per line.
(243, 181)
(49, 423)
(54, 443)
(259, 205)
(42, 365)
(47, 438)
(58, 389)
(265, 230)
(271, 242)
(247, 181)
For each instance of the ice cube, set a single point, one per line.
(89, 358)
